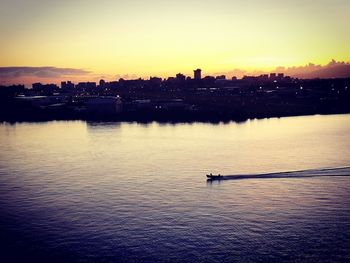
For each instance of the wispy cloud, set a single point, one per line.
(29, 75)
(40, 72)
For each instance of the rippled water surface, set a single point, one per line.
(127, 192)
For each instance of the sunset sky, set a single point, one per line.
(162, 37)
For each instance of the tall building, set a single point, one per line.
(197, 74)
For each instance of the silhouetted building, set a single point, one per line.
(155, 82)
(44, 88)
(144, 104)
(35, 101)
(102, 83)
(180, 77)
(221, 77)
(172, 105)
(249, 78)
(273, 76)
(197, 74)
(84, 86)
(67, 85)
(104, 105)
(264, 77)
(209, 79)
(170, 79)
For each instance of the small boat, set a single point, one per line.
(214, 177)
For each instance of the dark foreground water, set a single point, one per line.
(121, 192)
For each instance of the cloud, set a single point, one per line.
(126, 76)
(334, 69)
(239, 73)
(40, 72)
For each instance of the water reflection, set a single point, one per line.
(77, 191)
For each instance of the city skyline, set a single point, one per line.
(162, 38)
(29, 75)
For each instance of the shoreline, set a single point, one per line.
(156, 118)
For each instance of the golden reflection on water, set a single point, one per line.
(254, 146)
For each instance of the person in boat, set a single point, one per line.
(211, 175)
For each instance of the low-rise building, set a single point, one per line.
(104, 105)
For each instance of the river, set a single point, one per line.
(76, 191)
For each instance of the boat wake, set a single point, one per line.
(341, 171)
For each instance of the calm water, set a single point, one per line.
(127, 192)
